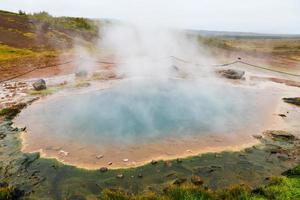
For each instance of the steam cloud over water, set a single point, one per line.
(167, 90)
(150, 51)
(146, 109)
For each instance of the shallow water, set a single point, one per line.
(139, 113)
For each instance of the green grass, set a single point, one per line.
(8, 53)
(277, 188)
(75, 23)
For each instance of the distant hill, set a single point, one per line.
(242, 35)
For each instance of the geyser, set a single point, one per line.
(141, 112)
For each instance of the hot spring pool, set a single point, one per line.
(142, 120)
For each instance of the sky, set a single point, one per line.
(260, 16)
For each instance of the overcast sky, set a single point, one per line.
(263, 16)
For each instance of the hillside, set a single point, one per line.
(28, 40)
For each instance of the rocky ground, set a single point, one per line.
(40, 178)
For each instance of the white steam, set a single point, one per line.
(153, 51)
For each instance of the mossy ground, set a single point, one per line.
(277, 188)
(47, 91)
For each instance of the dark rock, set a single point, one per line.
(257, 136)
(2, 136)
(282, 115)
(178, 160)
(39, 85)
(153, 162)
(231, 73)
(140, 175)
(280, 135)
(293, 100)
(179, 181)
(103, 169)
(23, 128)
(208, 169)
(196, 180)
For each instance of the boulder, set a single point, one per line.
(39, 85)
(231, 73)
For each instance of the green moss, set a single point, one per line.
(12, 111)
(47, 91)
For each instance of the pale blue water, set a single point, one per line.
(142, 111)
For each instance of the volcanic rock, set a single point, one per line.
(232, 73)
(103, 169)
(196, 180)
(282, 115)
(140, 175)
(280, 135)
(39, 85)
(153, 162)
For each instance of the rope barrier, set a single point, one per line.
(36, 68)
(172, 57)
(265, 68)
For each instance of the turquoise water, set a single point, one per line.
(143, 111)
